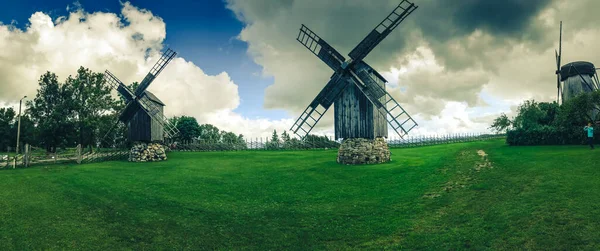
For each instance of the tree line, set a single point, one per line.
(545, 123)
(81, 110)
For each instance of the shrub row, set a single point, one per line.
(549, 136)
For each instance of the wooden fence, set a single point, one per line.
(329, 143)
(29, 157)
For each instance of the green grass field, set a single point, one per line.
(440, 197)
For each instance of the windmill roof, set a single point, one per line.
(576, 68)
(152, 97)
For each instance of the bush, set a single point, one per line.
(548, 135)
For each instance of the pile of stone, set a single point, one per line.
(142, 152)
(363, 151)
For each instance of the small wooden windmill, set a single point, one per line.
(356, 89)
(143, 113)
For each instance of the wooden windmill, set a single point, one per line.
(576, 77)
(356, 89)
(143, 113)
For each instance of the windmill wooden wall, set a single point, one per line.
(142, 127)
(356, 117)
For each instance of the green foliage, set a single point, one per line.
(188, 128)
(90, 101)
(501, 124)
(541, 123)
(209, 133)
(52, 111)
(7, 118)
(274, 143)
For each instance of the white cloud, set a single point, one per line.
(101, 41)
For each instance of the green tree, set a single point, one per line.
(501, 124)
(285, 137)
(7, 116)
(188, 128)
(53, 112)
(209, 133)
(91, 100)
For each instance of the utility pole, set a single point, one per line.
(19, 124)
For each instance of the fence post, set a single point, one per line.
(26, 157)
(79, 154)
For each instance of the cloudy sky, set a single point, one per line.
(453, 65)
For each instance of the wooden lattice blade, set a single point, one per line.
(116, 84)
(320, 104)
(320, 48)
(155, 71)
(382, 30)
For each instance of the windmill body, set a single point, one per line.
(356, 117)
(142, 128)
(577, 77)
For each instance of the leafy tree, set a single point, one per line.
(209, 133)
(188, 128)
(501, 124)
(52, 111)
(7, 116)
(91, 100)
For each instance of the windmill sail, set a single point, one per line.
(320, 48)
(121, 88)
(156, 69)
(307, 121)
(382, 30)
(400, 121)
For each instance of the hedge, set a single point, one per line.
(550, 136)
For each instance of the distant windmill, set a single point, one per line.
(357, 90)
(143, 113)
(577, 77)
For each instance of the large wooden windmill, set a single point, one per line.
(143, 113)
(356, 89)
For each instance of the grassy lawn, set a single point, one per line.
(440, 197)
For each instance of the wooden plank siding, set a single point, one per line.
(356, 117)
(143, 128)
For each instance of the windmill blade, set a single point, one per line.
(382, 30)
(130, 109)
(306, 122)
(116, 84)
(320, 48)
(397, 117)
(557, 77)
(156, 69)
(170, 130)
(109, 131)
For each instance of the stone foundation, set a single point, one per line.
(363, 151)
(142, 152)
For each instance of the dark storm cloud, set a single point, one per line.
(476, 45)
